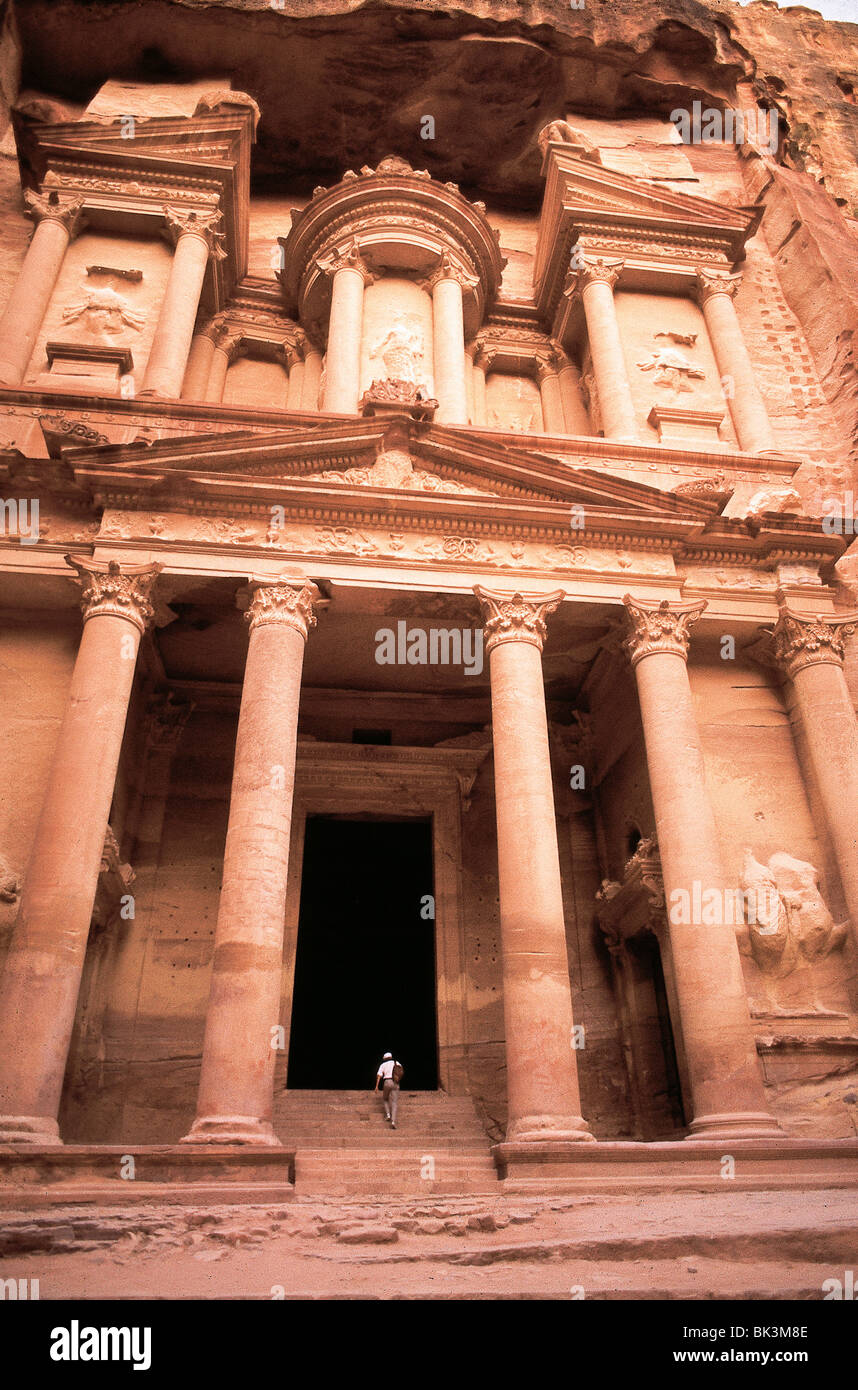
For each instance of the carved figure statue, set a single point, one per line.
(104, 311)
(788, 921)
(672, 368)
(401, 351)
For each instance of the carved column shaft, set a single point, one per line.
(480, 406)
(225, 349)
(295, 387)
(22, 318)
(312, 378)
(542, 1074)
(747, 408)
(575, 417)
(469, 383)
(727, 1091)
(548, 365)
(595, 283)
(196, 240)
(196, 378)
(41, 980)
(342, 363)
(810, 652)
(237, 1078)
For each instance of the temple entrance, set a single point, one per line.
(365, 963)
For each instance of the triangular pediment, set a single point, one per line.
(591, 188)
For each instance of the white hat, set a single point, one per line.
(388, 1057)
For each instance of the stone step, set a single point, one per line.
(380, 1172)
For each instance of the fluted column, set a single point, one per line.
(727, 1094)
(448, 339)
(312, 378)
(349, 275)
(810, 651)
(715, 293)
(41, 980)
(548, 362)
(196, 238)
(56, 223)
(237, 1079)
(595, 282)
(542, 1074)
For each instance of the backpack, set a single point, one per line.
(398, 1073)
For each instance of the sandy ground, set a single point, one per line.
(690, 1246)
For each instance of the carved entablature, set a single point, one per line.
(392, 219)
(269, 337)
(659, 238)
(518, 350)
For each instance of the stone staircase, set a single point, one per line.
(343, 1145)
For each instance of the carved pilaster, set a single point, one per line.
(109, 589)
(165, 722)
(709, 282)
(43, 207)
(803, 639)
(179, 222)
(661, 627)
(289, 602)
(516, 617)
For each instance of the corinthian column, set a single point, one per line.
(236, 1093)
(542, 1074)
(727, 1093)
(548, 363)
(715, 293)
(595, 282)
(40, 983)
(349, 274)
(56, 224)
(448, 339)
(196, 238)
(810, 650)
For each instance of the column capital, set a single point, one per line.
(447, 268)
(292, 348)
(516, 617)
(289, 602)
(811, 639)
(115, 591)
(164, 722)
(659, 627)
(549, 361)
(591, 270)
(48, 207)
(710, 282)
(180, 222)
(484, 354)
(346, 257)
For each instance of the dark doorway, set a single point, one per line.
(365, 964)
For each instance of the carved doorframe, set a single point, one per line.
(336, 778)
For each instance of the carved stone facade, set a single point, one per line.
(491, 514)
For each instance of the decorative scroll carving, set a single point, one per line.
(516, 617)
(283, 601)
(109, 590)
(801, 639)
(661, 627)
